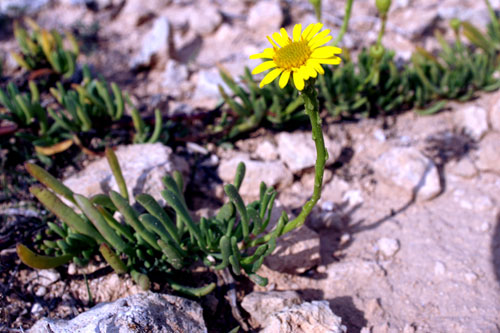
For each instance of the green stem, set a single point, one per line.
(310, 96)
(382, 29)
(493, 16)
(345, 23)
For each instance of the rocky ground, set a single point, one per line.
(406, 237)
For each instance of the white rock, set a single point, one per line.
(36, 309)
(470, 277)
(265, 16)
(489, 154)
(16, 8)
(353, 197)
(175, 78)
(207, 86)
(410, 170)
(379, 135)
(272, 173)
(145, 312)
(298, 151)
(204, 19)
(474, 119)
(155, 47)
(261, 304)
(46, 277)
(388, 247)
(494, 112)
(266, 151)
(315, 316)
(296, 252)
(143, 167)
(439, 268)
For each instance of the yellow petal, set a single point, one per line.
(271, 76)
(319, 36)
(307, 30)
(272, 42)
(297, 29)
(310, 71)
(268, 53)
(298, 81)
(303, 72)
(316, 65)
(317, 27)
(332, 61)
(320, 42)
(264, 67)
(324, 52)
(284, 79)
(285, 36)
(280, 40)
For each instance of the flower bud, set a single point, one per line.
(383, 6)
(377, 52)
(455, 24)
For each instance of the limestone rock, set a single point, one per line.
(298, 152)
(296, 252)
(146, 312)
(494, 112)
(410, 170)
(315, 316)
(489, 154)
(266, 151)
(265, 16)
(388, 247)
(204, 19)
(261, 304)
(474, 119)
(272, 173)
(207, 86)
(155, 47)
(143, 166)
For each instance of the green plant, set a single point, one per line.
(156, 241)
(44, 49)
(253, 107)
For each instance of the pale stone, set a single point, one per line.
(315, 316)
(388, 247)
(489, 154)
(143, 167)
(409, 170)
(272, 173)
(265, 16)
(145, 312)
(155, 47)
(472, 118)
(261, 304)
(296, 252)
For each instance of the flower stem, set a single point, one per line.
(343, 29)
(382, 29)
(310, 96)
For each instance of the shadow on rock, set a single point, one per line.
(495, 249)
(351, 316)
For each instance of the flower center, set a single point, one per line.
(292, 55)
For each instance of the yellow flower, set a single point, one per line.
(300, 58)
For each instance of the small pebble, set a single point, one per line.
(379, 135)
(388, 246)
(471, 277)
(345, 238)
(485, 226)
(439, 268)
(37, 308)
(72, 269)
(41, 291)
(328, 206)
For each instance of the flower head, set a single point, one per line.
(300, 57)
